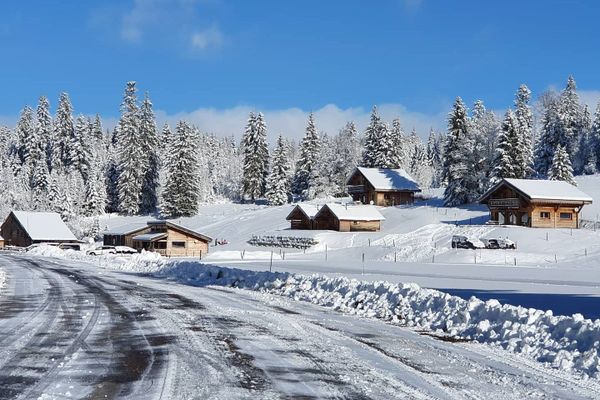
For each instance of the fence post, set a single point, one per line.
(555, 259)
(433, 258)
(325, 252)
(363, 263)
(546, 236)
(201, 254)
(369, 242)
(515, 261)
(395, 256)
(586, 252)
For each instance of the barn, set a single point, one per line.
(123, 235)
(382, 186)
(302, 216)
(348, 218)
(24, 228)
(170, 239)
(535, 203)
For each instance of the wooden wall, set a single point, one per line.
(13, 233)
(554, 221)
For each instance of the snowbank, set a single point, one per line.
(569, 343)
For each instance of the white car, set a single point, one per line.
(125, 250)
(499, 243)
(464, 242)
(102, 250)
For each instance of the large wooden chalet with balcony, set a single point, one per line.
(382, 186)
(535, 203)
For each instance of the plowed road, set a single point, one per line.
(71, 330)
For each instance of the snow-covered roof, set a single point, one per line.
(345, 212)
(126, 229)
(44, 226)
(310, 210)
(148, 237)
(1, 238)
(389, 179)
(536, 189)
(182, 228)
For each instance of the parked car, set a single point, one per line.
(102, 250)
(499, 243)
(36, 245)
(464, 242)
(125, 250)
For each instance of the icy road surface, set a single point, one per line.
(68, 330)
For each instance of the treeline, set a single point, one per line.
(72, 165)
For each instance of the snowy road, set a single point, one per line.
(70, 330)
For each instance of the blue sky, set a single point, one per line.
(212, 61)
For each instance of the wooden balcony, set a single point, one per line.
(355, 189)
(511, 202)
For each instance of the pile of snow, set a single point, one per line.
(567, 343)
(293, 242)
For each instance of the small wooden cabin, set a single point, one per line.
(24, 228)
(302, 216)
(348, 218)
(123, 235)
(382, 186)
(170, 239)
(535, 203)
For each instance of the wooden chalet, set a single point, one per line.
(535, 203)
(123, 235)
(348, 218)
(382, 186)
(302, 216)
(24, 228)
(170, 239)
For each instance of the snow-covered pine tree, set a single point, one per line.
(421, 167)
(458, 166)
(64, 128)
(180, 196)
(582, 162)
(570, 113)
(95, 194)
(79, 147)
(278, 185)
(561, 169)
(400, 154)
(25, 131)
(149, 142)
(505, 165)
(370, 153)
(548, 139)
(523, 152)
(434, 153)
(256, 157)
(44, 129)
(595, 138)
(131, 160)
(306, 171)
(347, 152)
(385, 155)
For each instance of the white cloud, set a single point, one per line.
(180, 25)
(589, 97)
(291, 122)
(211, 37)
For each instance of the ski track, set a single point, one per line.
(68, 329)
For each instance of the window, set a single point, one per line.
(545, 215)
(161, 245)
(566, 216)
(355, 222)
(178, 245)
